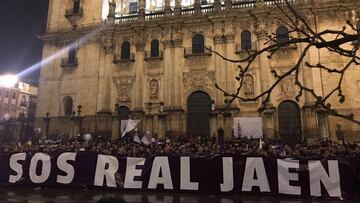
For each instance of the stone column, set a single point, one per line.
(227, 125)
(323, 122)
(162, 126)
(220, 68)
(105, 74)
(138, 85)
(269, 123)
(115, 128)
(264, 62)
(149, 121)
(213, 123)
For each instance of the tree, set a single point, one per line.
(343, 43)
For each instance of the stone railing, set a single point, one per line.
(205, 10)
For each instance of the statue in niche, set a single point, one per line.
(112, 8)
(154, 89)
(248, 86)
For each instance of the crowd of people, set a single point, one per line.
(194, 147)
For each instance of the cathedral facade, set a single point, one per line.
(151, 61)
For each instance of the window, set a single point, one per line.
(76, 7)
(133, 8)
(125, 50)
(246, 40)
(23, 101)
(68, 106)
(282, 34)
(7, 94)
(204, 2)
(13, 95)
(154, 51)
(198, 44)
(72, 55)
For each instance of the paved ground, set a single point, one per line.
(37, 195)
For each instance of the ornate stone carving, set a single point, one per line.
(154, 89)
(287, 88)
(112, 8)
(199, 79)
(124, 88)
(248, 86)
(108, 43)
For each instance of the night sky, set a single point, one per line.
(21, 21)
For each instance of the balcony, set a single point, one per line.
(152, 56)
(69, 13)
(121, 59)
(246, 47)
(197, 51)
(69, 62)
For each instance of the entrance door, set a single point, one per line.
(290, 122)
(198, 110)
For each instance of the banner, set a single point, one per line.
(259, 175)
(250, 127)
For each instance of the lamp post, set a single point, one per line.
(6, 126)
(227, 117)
(22, 119)
(117, 116)
(47, 124)
(78, 119)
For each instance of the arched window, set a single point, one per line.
(154, 51)
(248, 83)
(76, 7)
(125, 50)
(68, 106)
(198, 44)
(246, 40)
(282, 34)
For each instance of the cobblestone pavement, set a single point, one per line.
(75, 195)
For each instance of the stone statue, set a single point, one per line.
(112, 8)
(248, 86)
(154, 89)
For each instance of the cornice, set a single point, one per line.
(232, 15)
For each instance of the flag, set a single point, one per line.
(145, 140)
(261, 143)
(137, 139)
(131, 125)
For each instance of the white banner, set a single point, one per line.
(250, 127)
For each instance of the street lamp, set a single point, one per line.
(47, 124)
(78, 119)
(8, 81)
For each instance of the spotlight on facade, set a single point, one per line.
(8, 81)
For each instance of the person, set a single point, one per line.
(221, 138)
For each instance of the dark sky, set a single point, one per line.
(20, 23)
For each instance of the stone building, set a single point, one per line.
(149, 59)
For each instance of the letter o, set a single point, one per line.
(45, 171)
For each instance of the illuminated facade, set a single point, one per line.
(149, 59)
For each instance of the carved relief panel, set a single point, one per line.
(124, 88)
(199, 79)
